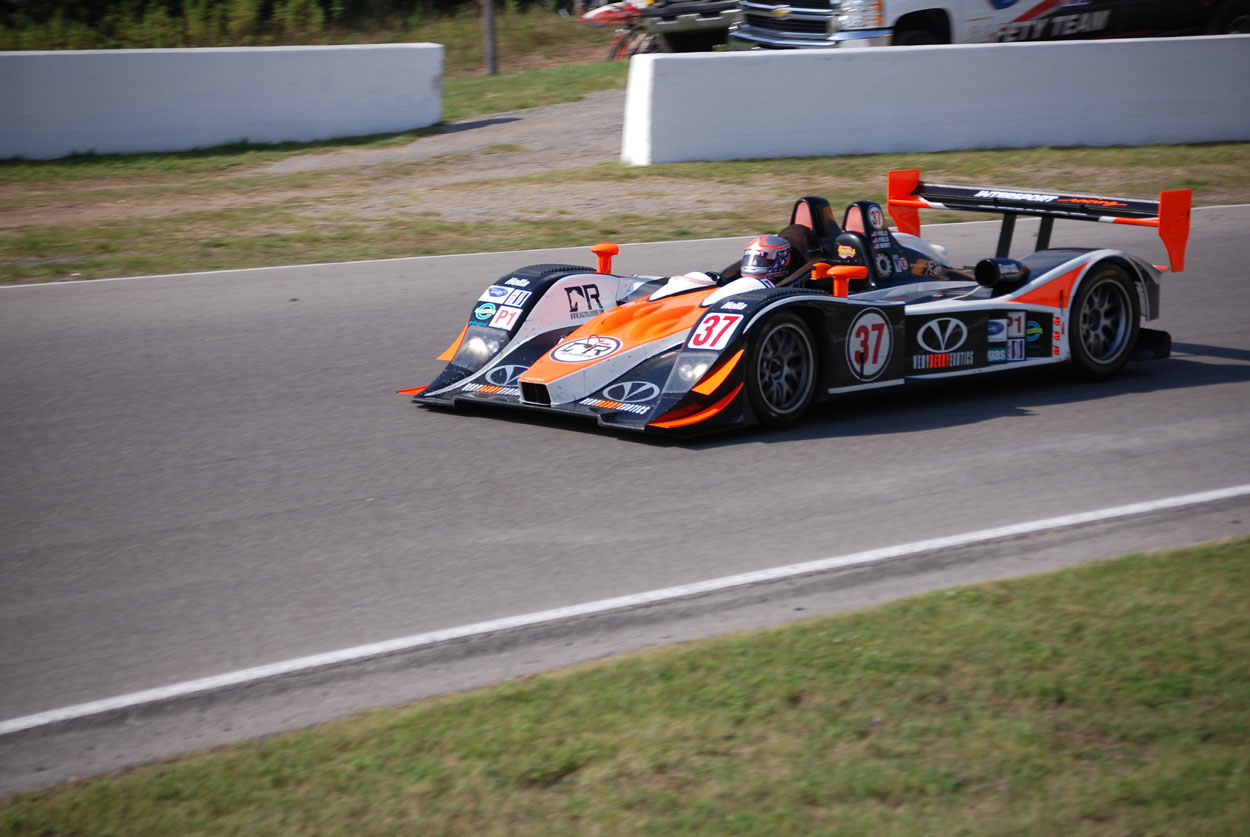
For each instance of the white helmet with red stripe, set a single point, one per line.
(767, 257)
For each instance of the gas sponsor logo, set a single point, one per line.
(996, 354)
(941, 360)
(495, 293)
(996, 332)
(945, 334)
(631, 392)
(507, 318)
(1028, 197)
(485, 311)
(584, 301)
(585, 348)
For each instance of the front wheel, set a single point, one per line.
(781, 370)
(1104, 323)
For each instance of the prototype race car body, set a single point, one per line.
(872, 307)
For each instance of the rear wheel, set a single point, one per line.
(781, 370)
(1104, 324)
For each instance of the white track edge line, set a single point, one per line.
(452, 256)
(362, 652)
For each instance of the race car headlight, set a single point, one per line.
(479, 345)
(689, 370)
(860, 14)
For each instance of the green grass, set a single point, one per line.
(1105, 700)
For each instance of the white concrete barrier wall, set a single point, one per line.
(123, 101)
(742, 105)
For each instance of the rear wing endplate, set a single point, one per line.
(908, 194)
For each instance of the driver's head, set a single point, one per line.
(767, 257)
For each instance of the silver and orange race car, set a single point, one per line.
(866, 307)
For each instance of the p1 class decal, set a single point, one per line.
(945, 334)
(504, 376)
(585, 348)
(632, 392)
(869, 344)
(506, 318)
(714, 331)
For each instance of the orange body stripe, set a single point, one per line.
(712, 382)
(702, 415)
(634, 325)
(412, 391)
(1056, 293)
(450, 351)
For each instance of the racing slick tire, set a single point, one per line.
(1104, 323)
(781, 370)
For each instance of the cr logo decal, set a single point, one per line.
(945, 334)
(583, 301)
(631, 392)
(585, 348)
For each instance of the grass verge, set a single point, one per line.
(1109, 699)
(101, 217)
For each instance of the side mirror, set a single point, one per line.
(842, 275)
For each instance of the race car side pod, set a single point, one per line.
(604, 251)
(907, 193)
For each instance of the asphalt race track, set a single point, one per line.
(207, 473)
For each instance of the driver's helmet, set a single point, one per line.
(767, 257)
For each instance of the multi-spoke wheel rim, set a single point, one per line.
(1105, 324)
(785, 368)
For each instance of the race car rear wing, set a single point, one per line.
(907, 194)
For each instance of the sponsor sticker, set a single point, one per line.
(944, 334)
(846, 251)
(491, 389)
(616, 406)
(517, 298)
(881, 240)
(900, 264)
(584, 301)
(714, 331)
(631, 392)
(485, 311)
(869, 344)
(518, 282)
(996, 332)
(1015, 349)
(1027, 197)
(734, 306)
(941, 360)
(502, 376)
(506, 318)
(585, 349)
(495, 293)
(884, 266)
(996, 354)
(1033, 331)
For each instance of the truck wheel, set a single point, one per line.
(1104, 322)
(913, 37)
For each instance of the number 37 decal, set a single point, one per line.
(714, 330)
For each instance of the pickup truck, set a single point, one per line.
(822, 24)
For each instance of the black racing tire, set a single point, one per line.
(781, 370)
(913, 37)
(1106, 316)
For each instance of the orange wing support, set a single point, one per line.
(1174, 209)
(902, 202)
